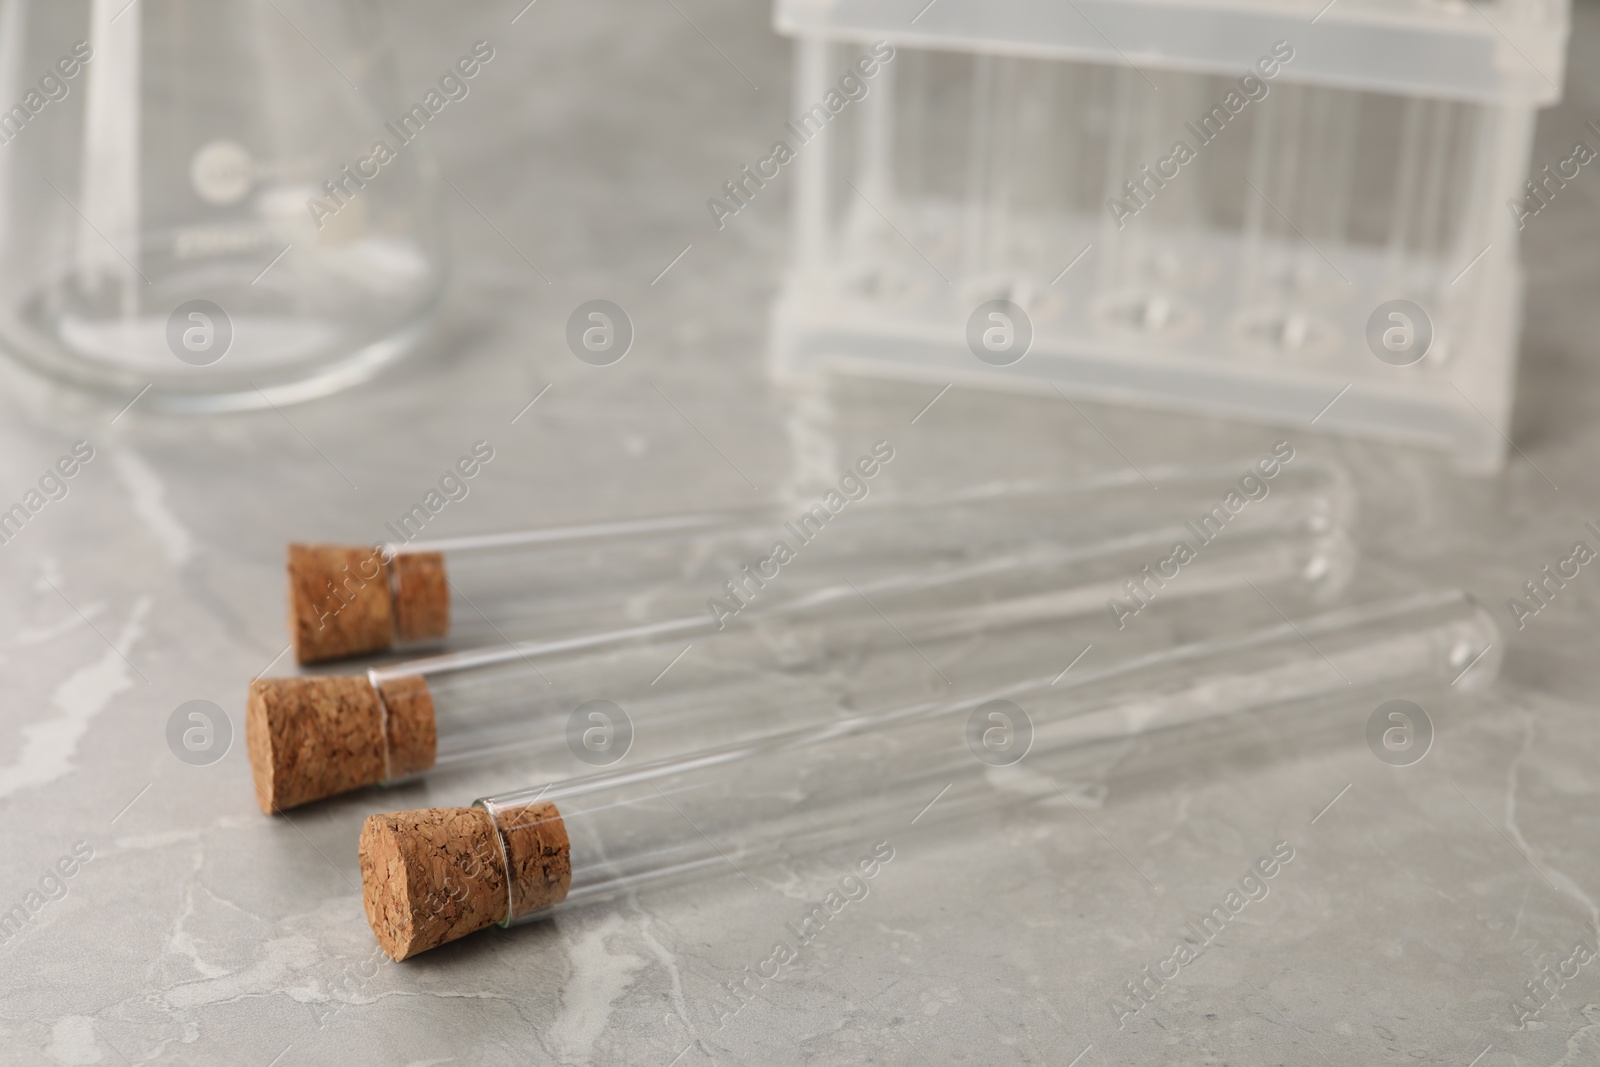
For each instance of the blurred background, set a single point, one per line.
(575, 165)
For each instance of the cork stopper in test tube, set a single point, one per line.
(431, 876)
(350, 601)
(550, 582)
(435, 874)
(311, 738)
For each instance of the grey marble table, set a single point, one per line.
(1417, 907)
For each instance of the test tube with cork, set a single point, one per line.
(787, 665)
(433, 875)
(473, 591)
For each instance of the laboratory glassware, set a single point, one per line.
(1291, 211)
(214, 204)
(466, 592)
(553, 703)
(433, 875)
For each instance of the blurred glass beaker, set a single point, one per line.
(193, 200)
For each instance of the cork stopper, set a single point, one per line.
(311, 738)
(537, 853)
(410, 723)
(339, 603)
(433, 875)
(346, 601)
(421, 596)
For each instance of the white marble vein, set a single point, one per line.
(50, 745)
(149, 496)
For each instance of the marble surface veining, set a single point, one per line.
(1419, 901)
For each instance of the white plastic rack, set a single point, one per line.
(1337, 157)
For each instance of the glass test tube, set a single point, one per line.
(433, 875)
(315, 737)
(469, 591)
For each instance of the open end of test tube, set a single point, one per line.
(353, 601)
(433, 876)
(1475, 651)
(311, 738)
(1331, 565)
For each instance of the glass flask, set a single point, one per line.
(194, 207)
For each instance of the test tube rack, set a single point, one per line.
(1025, 151)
